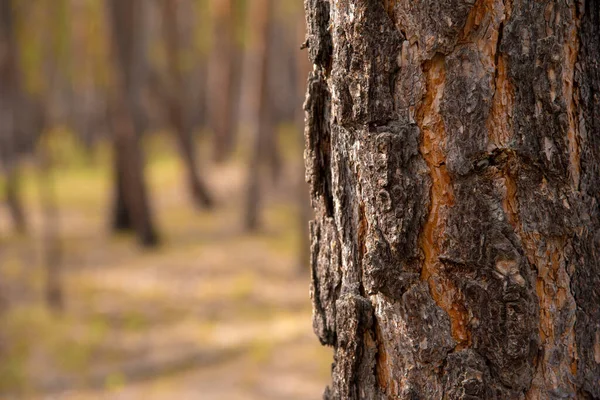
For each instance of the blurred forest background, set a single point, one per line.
(154, 212)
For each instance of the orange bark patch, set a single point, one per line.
(389, 7)
(384, 375)
(444, 292)
(554, 295)
(480, 11)
(499, 122)
(553, 281)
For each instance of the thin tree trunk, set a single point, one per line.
(259, 18)
(121, 218)
(13, 199)
(39, 113)
(220, 79)
(52, 247)
(9, 97)
(453, 150)
(177, 113)
(272, 146)
(131, 185)
(280, 93)
(126, 116)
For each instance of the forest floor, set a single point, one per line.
(213, 313)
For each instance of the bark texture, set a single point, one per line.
(452, 151)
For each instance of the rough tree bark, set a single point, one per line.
(303, 200)
(178, 115)
(452, 150)
(132, 204)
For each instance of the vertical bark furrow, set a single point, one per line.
(540, 43)
(446, 294)
(317, 153)
(481, 252)
(326, 280)
(586, 277)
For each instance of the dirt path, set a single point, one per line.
(213, 314)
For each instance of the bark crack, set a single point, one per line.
(443, 290)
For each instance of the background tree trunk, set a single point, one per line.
(178, 116)
(9, 108)
(220, 79)
(121, 218)
(53, 252)
(261, 128)
(452, 152)
(127, 120)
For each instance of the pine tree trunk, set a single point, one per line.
(121, 218)
(452, 153)
(179, 119)
(127, 121)
(259, 16)
(53, 251)
(220, 79)
(10, 95)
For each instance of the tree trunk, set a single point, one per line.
(13, 198)
(176, 108)
(452, 154)
(50, 231)
(220, 79)
(121, 218)
(126, 117)
(9, 97)
(257, 72)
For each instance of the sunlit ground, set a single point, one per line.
(214, 313)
